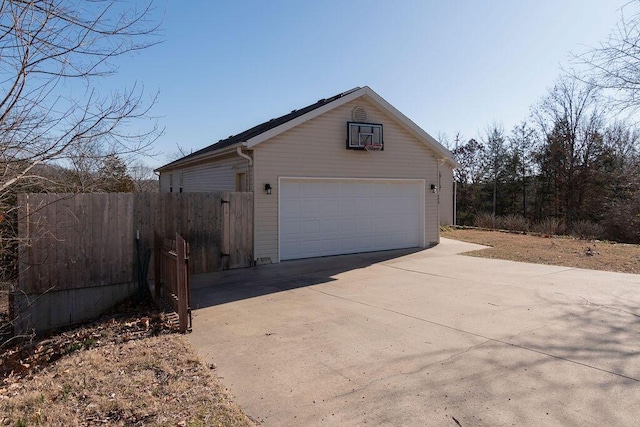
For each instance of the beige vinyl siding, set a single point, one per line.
(317, 149)
(446, 195)
(164, 182)
(218, 175)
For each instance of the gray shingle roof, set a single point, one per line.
(259, 129)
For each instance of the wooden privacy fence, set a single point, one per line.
(172, 278)
(75, 241)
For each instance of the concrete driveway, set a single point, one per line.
(423, 338)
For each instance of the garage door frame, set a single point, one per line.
(420, 181)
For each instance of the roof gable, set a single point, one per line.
(267, 130)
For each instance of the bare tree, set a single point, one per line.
(571, 121)
(468, 177)
(53, 56)
(495, 159)
(615, 65)
(522, 140)
(45, 44)
(179, 153)
(144, 179)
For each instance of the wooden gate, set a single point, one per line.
(172, 277)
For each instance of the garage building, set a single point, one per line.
(346, 174)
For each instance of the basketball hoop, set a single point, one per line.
(372, 147)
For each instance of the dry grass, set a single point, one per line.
(589, 254)
(128, 368)
(152, 381)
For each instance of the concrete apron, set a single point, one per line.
(423, 338)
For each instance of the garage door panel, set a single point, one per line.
(290, 209)
(330, 217)
(329, 227)
(309, 208)
(347, 207)
(364, 225)
(292, 229)
(294, 188)
(329, 207)
(363, 206)
(290, 247)
(309, 228)
(347, 225)
(359, 189)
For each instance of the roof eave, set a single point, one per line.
(414, 128)
(366, 90)
(200, 158)
(252, 142)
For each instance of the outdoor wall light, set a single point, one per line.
(267, 188)
(434, 189)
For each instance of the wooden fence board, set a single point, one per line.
(241, 228)
(59, 232)
(246, 230)
(23, 233)
(214, 230)
(104, 215)
(235, 204)
(33, 240)
(97, 235)
(47, 239)
(128, 260)
(84, 215)
(225, 231)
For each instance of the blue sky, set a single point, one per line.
(450, 66)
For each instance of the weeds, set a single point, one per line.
(587, 230)
(549, 226)
(485, 220)
(513, 222)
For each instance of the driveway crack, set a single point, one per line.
(609, 307)
(416, 371)
(418, 272)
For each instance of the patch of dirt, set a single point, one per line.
(553, 250)
(127, 369)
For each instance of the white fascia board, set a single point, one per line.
(410, 125)
(304, 118)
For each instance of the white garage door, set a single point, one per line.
(329, 216)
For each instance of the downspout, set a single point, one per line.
(250, 170)
(250, 183)
(241, 154)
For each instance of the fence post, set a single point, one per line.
(157, 268)
(226, 232)
(182, 278)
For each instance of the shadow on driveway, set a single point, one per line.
(222, 287)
